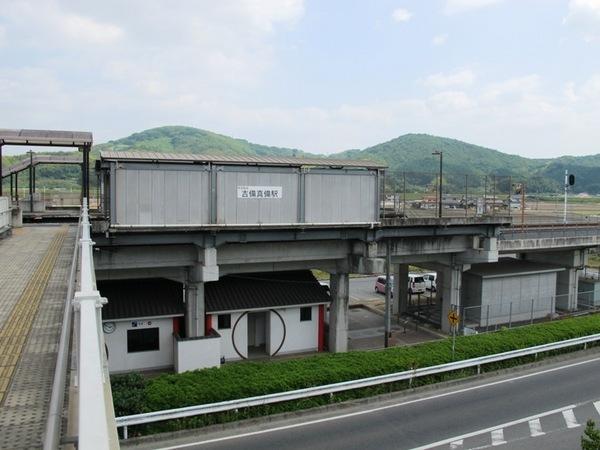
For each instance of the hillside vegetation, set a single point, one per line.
(408, 153)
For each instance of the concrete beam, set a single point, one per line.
(170, 273)
(427, 245)
(326, 266)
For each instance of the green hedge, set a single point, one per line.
(133, 394)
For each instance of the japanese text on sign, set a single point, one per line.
(261, 192)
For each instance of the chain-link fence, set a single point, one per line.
(492, 316)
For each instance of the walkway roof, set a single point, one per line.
(50, 138)
(190, 158)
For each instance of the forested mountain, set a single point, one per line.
(410, 154)
(193, 140)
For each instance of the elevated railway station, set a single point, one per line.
(209, 257)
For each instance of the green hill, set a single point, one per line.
(177, 139)
(408, 156)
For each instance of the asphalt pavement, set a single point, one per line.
(544, 407)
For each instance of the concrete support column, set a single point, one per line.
(338, 312)
(451, 281)
(204, 270)
(400, 300)
(567, 285)
(194, 309)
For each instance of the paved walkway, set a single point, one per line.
(34, 269)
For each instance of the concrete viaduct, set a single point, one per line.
(195, 255)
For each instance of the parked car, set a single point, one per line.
(416, 284)
(430, 283)
(380, 285)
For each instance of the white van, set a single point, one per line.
(430, 283)
(416, 283)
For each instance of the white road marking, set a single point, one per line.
(597, 406)
(491, 429)
(456, 444)
(396, 405)
(535, 428)
(498, 437)
(570, 418)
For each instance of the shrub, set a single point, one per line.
(247, 379)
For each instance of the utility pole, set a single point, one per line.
(440, 198)
(388, 295)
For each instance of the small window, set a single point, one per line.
(305, 314)
(142, 340)
(381, 280)
(224, 321)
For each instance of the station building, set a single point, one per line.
(247, 316)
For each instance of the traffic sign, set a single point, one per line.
(453, 318)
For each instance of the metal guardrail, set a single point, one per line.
(230, 405)
(55, 409)
(96, 421)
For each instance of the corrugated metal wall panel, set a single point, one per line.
(339, 198)
(234, 210)
(159, 197)
(180, 194)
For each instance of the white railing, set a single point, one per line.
(96, 420)
(232, 405)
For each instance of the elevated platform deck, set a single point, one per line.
(34, 270)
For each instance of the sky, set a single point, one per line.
(520, 76)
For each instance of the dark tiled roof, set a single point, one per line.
(161, 297)
(264, 290)
(141, 298)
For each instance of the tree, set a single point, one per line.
(591, 437)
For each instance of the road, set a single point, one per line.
(545, 407)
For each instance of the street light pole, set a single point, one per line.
(441, 155)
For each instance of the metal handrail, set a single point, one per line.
(55, 409)
(96, 420)
(230, 405)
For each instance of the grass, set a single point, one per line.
(135, 394)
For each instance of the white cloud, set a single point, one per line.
(2, 36)
(458, 6)
(439, 39)
(401, 15)
(584, 17)
(88, 30)
(459, 78)
(517, 86)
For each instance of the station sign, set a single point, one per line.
(260, 192)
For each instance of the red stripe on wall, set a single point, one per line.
(321, 329)
(207, 324)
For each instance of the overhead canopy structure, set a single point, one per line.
(51, 138)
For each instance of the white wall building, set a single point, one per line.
(247, 316)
